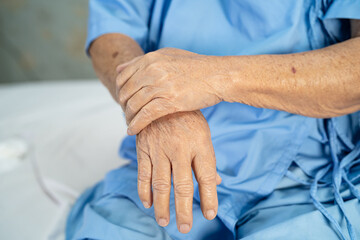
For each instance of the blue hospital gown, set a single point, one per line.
(285, 176)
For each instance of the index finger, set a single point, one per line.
(126, 71)
(155, 109)
(184, 192)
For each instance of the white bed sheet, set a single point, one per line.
(74, 128)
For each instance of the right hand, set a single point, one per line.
(177, 144)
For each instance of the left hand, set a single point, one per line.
(175, 146)
(164, 82)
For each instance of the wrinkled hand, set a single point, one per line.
(166, 81)
(176, 144)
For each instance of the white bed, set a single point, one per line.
(72, 130)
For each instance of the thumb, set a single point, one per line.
(218, 179)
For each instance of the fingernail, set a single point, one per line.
(162, 222)
(146, 204)
(184, 228)
(210, 214)
(129, 132)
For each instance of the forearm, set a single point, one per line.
(107, 52)
(320, 83)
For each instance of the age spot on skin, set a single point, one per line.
(114, 55)
(293, 70)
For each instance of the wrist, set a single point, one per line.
(228, 80)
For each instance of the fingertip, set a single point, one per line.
(184, 228)
(145, 196)
(218, 179)
(210, 214)
(146, 204)
(163, 222)
(133, 128)
(130, 132)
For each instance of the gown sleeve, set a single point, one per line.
(334, 18)
(342, 9)
(129, 17)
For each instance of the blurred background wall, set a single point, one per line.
(43, 40)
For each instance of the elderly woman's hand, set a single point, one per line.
(177, 144)
(166, 81)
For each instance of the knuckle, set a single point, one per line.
(184, 188)
(149, 89)
(157, 64)
(144, 175)
(207, 179)
(122, 98)
(150, 55)
(146, 112)
(161, 186)
(129, 107)
(118, 80)
(153, 67)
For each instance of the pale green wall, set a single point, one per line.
(43, 40)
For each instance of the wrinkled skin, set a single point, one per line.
(175, 145)
(163, 82)
(320, 83)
